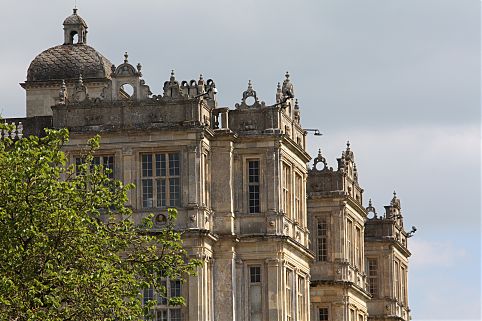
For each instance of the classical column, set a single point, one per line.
(275, 295)
(224, 280)
(222, 188)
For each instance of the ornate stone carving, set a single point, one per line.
(250, 92)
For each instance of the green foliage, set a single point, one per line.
(69, 248)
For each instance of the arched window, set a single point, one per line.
(74, 37)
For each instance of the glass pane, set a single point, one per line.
(161, 298)
(96, 160)
(254, 199)
(147, 193)
(148, 295)
(255, 274)
(78, 161)
(161, 315)
(160, 165)
(174, 192)
(161, 192)
(253, 171)
(323, 314)
(108, 163)
(147, 165)
(175, 289)
(175, 314)
(174, 164)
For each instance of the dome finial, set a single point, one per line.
(75, 29)
(125, 57)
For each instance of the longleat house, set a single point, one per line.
(283, 236)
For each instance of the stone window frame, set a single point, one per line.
(350, 248)
(140, 176)
(205, 178)
(404, 283)
(77, 159)
(162, 303)
(328, 313)
(287, 189)
(396, 279)
(373, 276)
(299, 210)
(250, 283)
(245, 183)
(303, 294)
(290, 287)
(318, 220)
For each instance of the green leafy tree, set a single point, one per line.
(69, 248)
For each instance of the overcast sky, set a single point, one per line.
(398, 78)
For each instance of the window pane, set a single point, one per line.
(254, 199)
(148, 295)
(96, 160)
(255, 274)
(323, 314)
(78, 162)
(161, 315)
(161, 192)
(175, 314)
(253, 171)
(161, 299)
(174, 164)
(175, 289)
(174, 192)
(161, 165)
(147, 165)
(147, 193)
(108, 163)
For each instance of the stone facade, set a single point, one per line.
(279, 240)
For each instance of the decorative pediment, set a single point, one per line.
(250, 99)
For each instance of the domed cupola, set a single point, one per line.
(67, 62)
(75, 27)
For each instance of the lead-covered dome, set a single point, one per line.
(68, 61)
(72, 59)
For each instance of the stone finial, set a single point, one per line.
(201, 80)
(173, 77)
(279, 94)
(288, 89)
(126, 56)
(320, 159)
(80, 91)
(139, 67)
(395, 202)
(348, 153)
(296, 104)
(250, 92)
(63, 92)
(371, 209)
